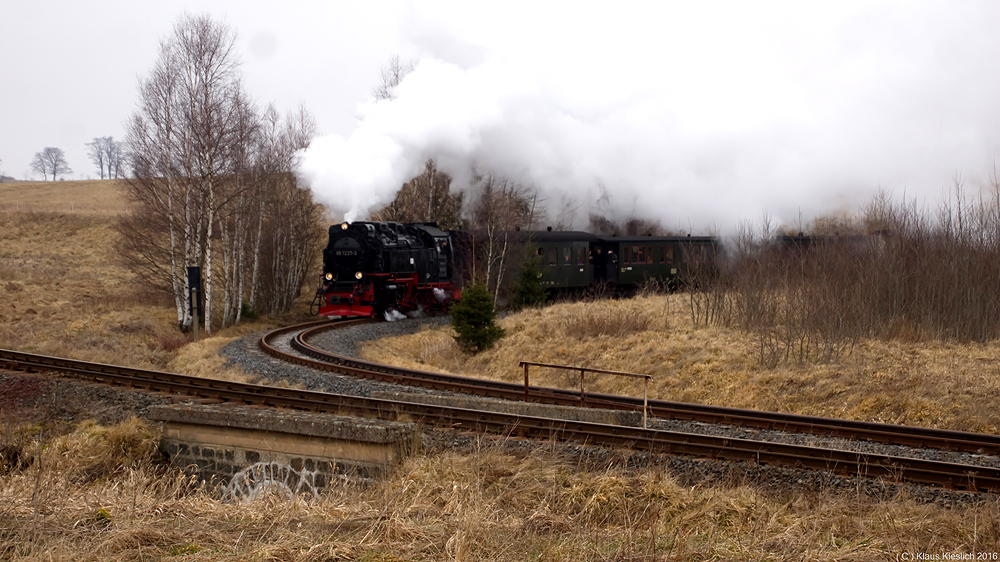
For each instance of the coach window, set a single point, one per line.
(581, 256)
(649, 254)
(669, 250)
(567, 256)
(663, 253)
(553, 253)
(637, 255)
(626, 255)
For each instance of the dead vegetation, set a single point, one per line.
(97, 494)
(64, 292)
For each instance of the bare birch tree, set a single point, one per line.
(501, 207)
(203, 176)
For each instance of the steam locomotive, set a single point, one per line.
(389, 268)
(372, 268)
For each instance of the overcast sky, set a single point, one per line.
(699, 114)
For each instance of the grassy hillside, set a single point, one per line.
(91, 197)
(937, 384)
(64, 293)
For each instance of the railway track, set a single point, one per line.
(908, 436)
(952, 475)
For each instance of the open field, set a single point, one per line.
(97, 493)
(90, 197)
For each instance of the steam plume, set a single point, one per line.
(698, 116)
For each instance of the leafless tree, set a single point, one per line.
(95, 150)
(116, 160)
(391, 74)
(204, 176)
(425, 198)
(501, 206)
(106, 154)
(281, 227)
(51, 161)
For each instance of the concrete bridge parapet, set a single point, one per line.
(245, 449)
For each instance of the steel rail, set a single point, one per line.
(910, 436)
(658, 441)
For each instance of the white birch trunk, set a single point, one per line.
(209, 231)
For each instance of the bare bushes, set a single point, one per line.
(796, 306)
(812, 298)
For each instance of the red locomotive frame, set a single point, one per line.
(359, 298)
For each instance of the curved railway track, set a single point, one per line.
(909, 436)
(952, 475)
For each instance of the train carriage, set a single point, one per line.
(670, 259)
(565, 258)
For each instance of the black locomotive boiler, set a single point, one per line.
(375, 268)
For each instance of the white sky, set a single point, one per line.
(699, 114)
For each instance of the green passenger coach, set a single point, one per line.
(565, 257)
(573, 259)
(670, 259)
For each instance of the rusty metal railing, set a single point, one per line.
(583, 394)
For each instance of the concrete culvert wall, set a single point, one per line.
(246, 451)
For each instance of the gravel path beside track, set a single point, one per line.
(346, 341)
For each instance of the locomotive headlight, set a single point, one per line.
(343, 225)
(357, 275)
(329, 276)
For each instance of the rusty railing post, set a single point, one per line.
(645, 400)
(525, 381)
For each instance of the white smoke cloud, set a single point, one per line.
(696, 114)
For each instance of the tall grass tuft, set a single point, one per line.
(611, 321)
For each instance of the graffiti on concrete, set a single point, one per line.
(271, 478)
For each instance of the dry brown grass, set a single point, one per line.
(955, 386)
(90, 197)
(95, 495)
(64, 293)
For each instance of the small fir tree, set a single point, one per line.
(528, 290)
(474, 319)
